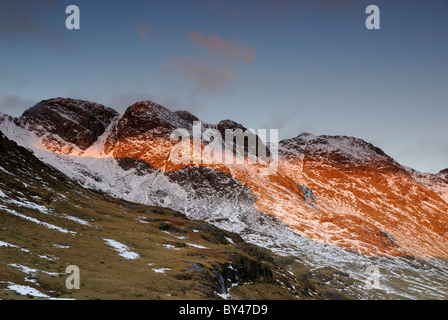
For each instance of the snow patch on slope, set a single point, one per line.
(122, 249)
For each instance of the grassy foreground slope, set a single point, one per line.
(126, 250)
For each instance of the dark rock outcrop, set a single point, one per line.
(75, 121)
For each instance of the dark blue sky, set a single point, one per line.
(296, 65)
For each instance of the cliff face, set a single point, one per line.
(64, 124)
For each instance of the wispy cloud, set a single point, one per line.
(212, 75)
(225, 49)
(144, 28)
(208, 79)
(14, 105)
(21, 20)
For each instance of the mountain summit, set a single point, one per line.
(335, 190)
(64, 123)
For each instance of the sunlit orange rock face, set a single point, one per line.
(333, 189)
(368, 202)
(361, 200)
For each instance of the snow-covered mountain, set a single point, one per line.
(124, 250)
(367, 200)
(334, 201)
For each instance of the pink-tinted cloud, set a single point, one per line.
(144, 28)
(215, 74)
(230, 51)
(206, 78)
